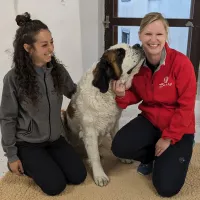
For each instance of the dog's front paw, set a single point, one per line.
(126, 161)
(101, 179)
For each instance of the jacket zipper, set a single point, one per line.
(49, 105)
(152, 85)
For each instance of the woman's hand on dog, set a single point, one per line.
(16, 167)
(119, 88)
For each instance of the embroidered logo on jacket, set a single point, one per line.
(165, 82)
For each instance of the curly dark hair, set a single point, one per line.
(23, 64)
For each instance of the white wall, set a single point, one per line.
(92, 31)
(76, 26)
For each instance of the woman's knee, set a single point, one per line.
(51, 184)
(125, 144)
(119, 147)
(54, 188)
(167, 190)
(79, 175)
(79, 178)
(116, 147)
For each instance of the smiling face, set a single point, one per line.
(42, 49)
(153, 38)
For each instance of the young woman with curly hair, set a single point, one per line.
(30, 110)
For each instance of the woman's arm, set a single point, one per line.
(8, 118)
(69, 87)
(186, 88)
(129, 99)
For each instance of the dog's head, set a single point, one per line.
(118, 62)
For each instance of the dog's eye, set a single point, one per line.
(130, 70)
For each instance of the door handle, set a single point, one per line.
(189, 24)
(106, 22)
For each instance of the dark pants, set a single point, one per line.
(137, 140)
(52, 165)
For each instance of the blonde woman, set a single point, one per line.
(161, 136)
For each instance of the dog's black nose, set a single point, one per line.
(136, 46)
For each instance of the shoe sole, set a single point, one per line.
(144, 174)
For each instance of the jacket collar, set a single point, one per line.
(46, 69)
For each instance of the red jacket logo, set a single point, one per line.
(165, 82)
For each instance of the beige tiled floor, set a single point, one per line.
(128, 114)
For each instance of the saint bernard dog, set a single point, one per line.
(92, 112)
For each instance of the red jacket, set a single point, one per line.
(168, 96)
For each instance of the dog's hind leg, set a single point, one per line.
(91, 145)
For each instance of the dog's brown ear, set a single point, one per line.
(101, 79)
(108, 68)
(115, 58)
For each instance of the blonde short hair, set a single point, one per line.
(151, 17)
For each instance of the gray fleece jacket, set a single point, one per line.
(33, 124)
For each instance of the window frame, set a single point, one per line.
(110, 37)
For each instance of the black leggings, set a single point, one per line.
(52, 165)
(137, 140)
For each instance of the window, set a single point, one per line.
(126, 36)
(183, 17)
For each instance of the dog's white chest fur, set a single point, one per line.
(93, 108)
